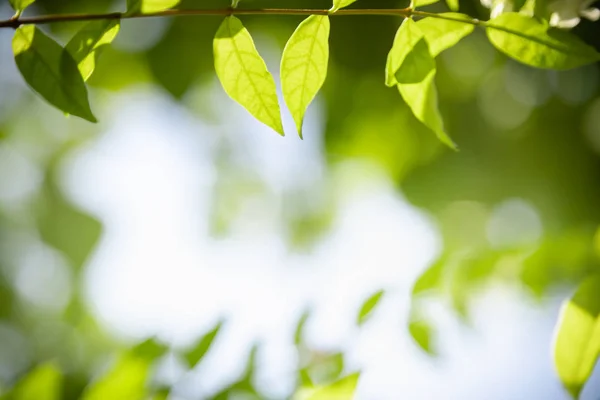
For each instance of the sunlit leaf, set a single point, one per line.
(51, 71)
(20, 5)
(149, 6)
(244, 75)
(86, 45)
(368, 307)
(304, 65)
(43, 383)
(453, 5)
(577, 345)
(337, 4)
(441, 34)
(343, 389)
(197, 353)
(421, 3)
(411, 67)
(125, 381)
(533, 42)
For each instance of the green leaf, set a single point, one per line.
(51, 71)
(149, 6)
(125, 381)
(368, 307)
(20, 5)
(300, 326)
(421, 3)
(453, 5)
(411, 67)
(304, 65)
(197, 353)
(422, 334)
(533, 42)
(87, 44)
(577, 345)
(337, 4)
(342, 389)
(441, 34)
(244, 75)
(43, 383)
(149, 349)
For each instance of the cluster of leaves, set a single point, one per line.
(58, 74)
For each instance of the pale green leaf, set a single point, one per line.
(343, 389)
(20, 5)
(304, 65)
(421, 3)
(244, 75)
(51, 71)
(149, 6)
(337, 4)
(86, 45)
(577, 343)
(533, 42)
(125, 381)
(368, 307)
(412, 68)
(197, 353)
(43, 383)
(441, 34)
(453, 5)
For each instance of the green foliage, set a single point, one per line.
(442, 34)
(51, 71)
(577, 343)
(86, 45)
(42, 383)
(126, 380)
(20, 5)
(304, 65)
(149, 6)
(197, 353)
(342, 389)
(533, 42)
(368, 306)
(244, 75)
(421, 3)
(337, 4)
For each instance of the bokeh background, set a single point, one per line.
(179, 249)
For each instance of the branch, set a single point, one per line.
(16, 21)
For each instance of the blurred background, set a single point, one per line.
(179, 249)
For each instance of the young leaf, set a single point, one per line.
(86, 45)
(149, 6)
(20, 5)
(533, 42)
(197, 353)
(441, 34)
(244, 75)
(51, 71)
(368, 307)
(577, 343)
(412, 68)
(337, 4)
(304, 65)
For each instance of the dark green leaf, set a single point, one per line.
(368, 307)
(86, 45)
(51, 71)
(533, 42)
(197, 353)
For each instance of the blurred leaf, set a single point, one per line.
(197, 353)
(337, 4)
(299, 332)
(66, 228)
(125, 381)
(244, 75)
(149, 6)
(431, 278)
(533, 42)
(422, 334)
(421, 3)
(442, 34)
(43, 383)
(20, 5)
(304, 65)
(86, 45)
(325, 368)
(161, 394)
(368, 307)
(244, 387)
(577, 345)
(51, 71)
(453, 5)
(343, 389)
(149, 350)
